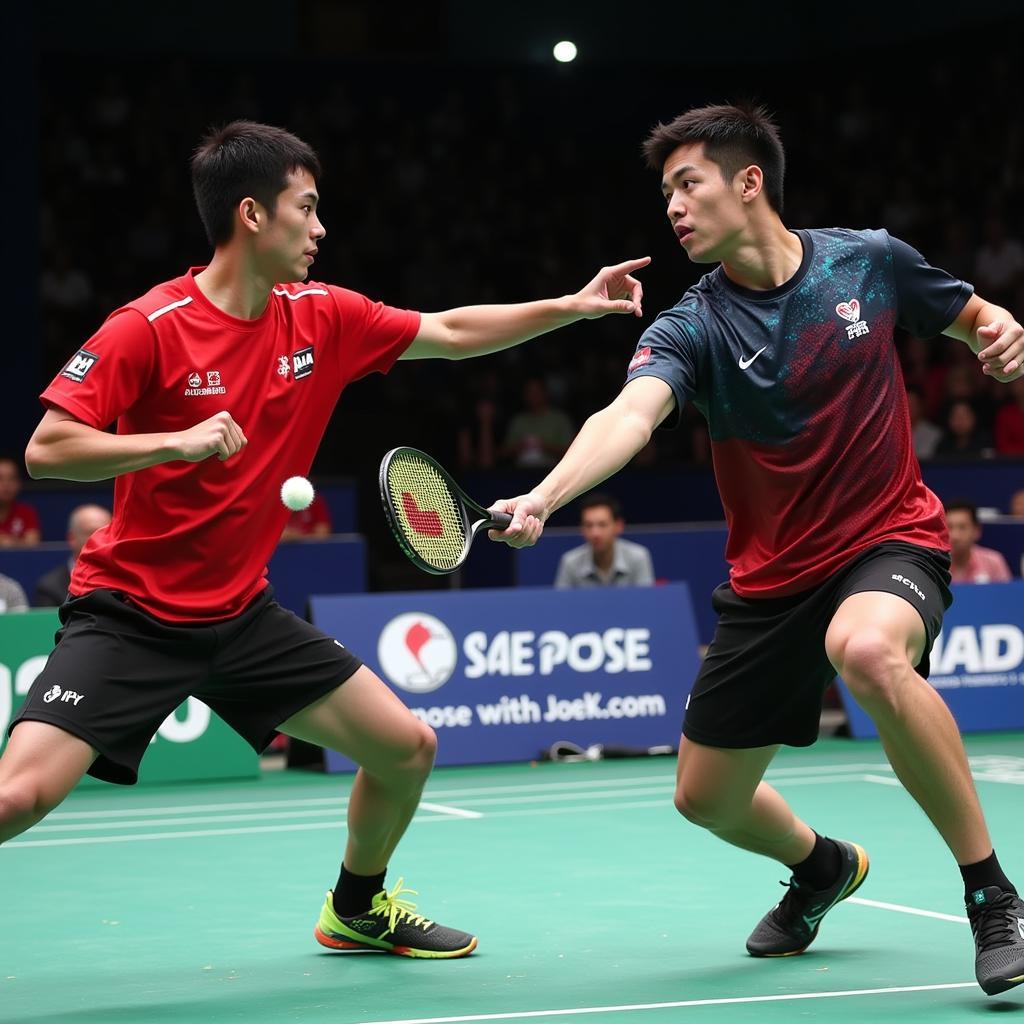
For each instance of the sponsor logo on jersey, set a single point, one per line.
(641, 357)
(283, 366)
(302, 362)
(81, 363)
(850, 310)
(213, 385)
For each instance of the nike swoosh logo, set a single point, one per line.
(744, 363)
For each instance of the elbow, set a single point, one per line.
(34, 462)
(39, 460)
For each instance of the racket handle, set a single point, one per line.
(499, 521)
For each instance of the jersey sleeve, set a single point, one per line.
(670, 349)
(372, 335)
(928, 299)
(108, 374)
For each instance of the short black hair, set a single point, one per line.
(599, 499)
(963, 505)
(734, 136)
(244, 158)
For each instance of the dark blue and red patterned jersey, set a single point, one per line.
(803, 394)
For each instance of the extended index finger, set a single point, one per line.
(630, 265)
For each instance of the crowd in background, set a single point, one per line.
(452, 186)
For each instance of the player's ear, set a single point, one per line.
(751, 182)
(251, 214)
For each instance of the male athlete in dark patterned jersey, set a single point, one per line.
(243, 360)
(839, 554)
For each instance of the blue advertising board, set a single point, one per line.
(977, 662)
(503, 674)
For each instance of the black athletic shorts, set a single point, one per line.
(766, 670)
(127, 671)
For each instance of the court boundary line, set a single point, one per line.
(901, 909)
(676, 1004)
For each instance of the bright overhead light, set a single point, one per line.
(564, 52)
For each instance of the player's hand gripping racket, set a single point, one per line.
(432, 518)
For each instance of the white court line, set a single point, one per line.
(331, 813)
(529, 1014)
(899, 908)
(148, 836)
(445, 809)
(341, 799)
(883, 780)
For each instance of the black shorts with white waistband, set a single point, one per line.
(766, 670)
(127, 671)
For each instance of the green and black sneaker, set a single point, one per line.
(792, 924)
(391, 925)
(997, 920)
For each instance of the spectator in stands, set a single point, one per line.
(540, 434)
(52, 588)
(926, 435)
(12, 597)
(971, 563)
(314, 521)
(963, 437)
(19, 522)
(999, 263)
(1017, 504)
(606, 560)
(1010, 421)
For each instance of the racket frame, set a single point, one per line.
(463, 502)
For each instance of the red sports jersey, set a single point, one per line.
(19, 520)
(190, 541)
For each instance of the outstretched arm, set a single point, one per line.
(606, 442)
(993, 333)
(478, 330)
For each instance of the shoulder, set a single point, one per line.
(160, 301)
(686, 322)
(875, 241)
(632, 548)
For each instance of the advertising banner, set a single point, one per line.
(193, 743)
(501, 675)
(977, 662)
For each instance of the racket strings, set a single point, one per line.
(427, 512)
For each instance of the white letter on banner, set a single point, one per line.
(992, 638)
(473, 648)
(554, 646)
(580, 642)
(637, 650)
(498, 660)
(197, 718)
(960, 648)
(613, 647)
(522, 653)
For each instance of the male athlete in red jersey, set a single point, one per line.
(243, 360)
(839, 554)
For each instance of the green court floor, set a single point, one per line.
(593, 899)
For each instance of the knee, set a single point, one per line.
(700, 807)
(422, 751)
(21, 806)
(871, 665)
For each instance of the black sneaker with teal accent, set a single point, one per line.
(997, 920)
(792, 924)
(393, 926)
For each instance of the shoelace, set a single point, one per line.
(991, 923)
(789, 908)
(399, 910)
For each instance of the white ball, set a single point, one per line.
(297, 493)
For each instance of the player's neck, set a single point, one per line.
(767, 255)
(233, 285)
(604, 559)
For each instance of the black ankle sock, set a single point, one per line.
(821, 868)
(354, 893)
(985, 872)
